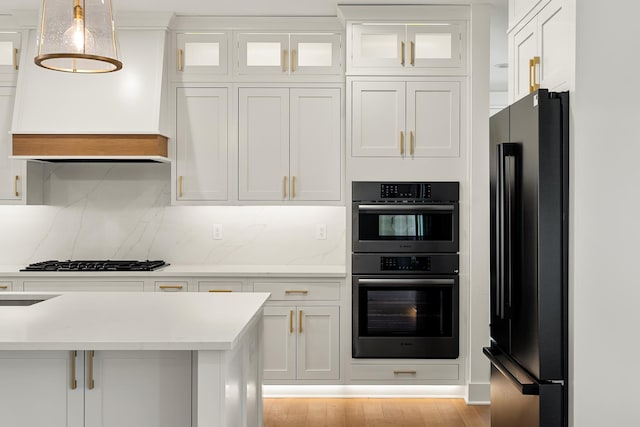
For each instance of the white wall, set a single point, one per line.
(121, 211)
(606, 202)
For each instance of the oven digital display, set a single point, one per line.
(405, 263)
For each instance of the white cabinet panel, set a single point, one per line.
(525, 49)
(201, 143)
(315, 144)
(221, 286)
(44, 396)
(378, 117)
(11, 171)
(553, 46)
(139, 389)
(279, 342)
(318, 343)
(6, 286)
(433, 119)
(263, 144)
(171, 286)
(83, 285)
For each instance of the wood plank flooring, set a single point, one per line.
(373, 413)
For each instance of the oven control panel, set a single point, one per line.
(405, 191)
(405, 263)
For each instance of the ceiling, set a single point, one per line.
(300, 8)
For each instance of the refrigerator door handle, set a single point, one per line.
(507, 200)
(529, 389)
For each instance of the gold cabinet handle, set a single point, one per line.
(412, 53)
(293, 187)
(300, 322)
(285, 60)
(284, 187)
(533, 85)
(405, 372)
(74, 381)
(220, 290)
(180, 186)
(294, 291)
(4, 286)
(15, 59)
(294, 60)
(411, 143)
(402, 143)
(90, 383)
(15, 185)
(165, 287)
(180, 60)
(291, 321)
(402, 53)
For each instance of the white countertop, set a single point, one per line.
(128, 321)
(193, 270)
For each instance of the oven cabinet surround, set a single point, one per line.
(405, 119)
(301, 330)
(129, 388)
(203, 123)
(290, 144)
(539, 49)
(188, 361)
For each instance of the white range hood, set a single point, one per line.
(119, 116)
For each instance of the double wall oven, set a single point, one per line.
(405, 289)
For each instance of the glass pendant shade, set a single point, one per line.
(77, 36)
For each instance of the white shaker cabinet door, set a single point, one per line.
(318, 343)
(201, 143)
(433, 119)
(280, 329)
(263, 132)
(316, 144)
(37, 389)
(525, 48)
(138, 389)
(378, 119)
(553, 46)
(11, 171)
(378, 46)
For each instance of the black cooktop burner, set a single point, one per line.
(108, 265)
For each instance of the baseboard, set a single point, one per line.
(478, 394)
(364, 391)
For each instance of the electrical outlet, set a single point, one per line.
(217, 231)
(321, 231)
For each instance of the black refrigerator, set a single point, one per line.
(529, 164)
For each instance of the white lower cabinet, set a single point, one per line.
(301, 342)
(110, 389)
(6, 286)
(83, 285)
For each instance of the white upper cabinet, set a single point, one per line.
(288, 54)
(12, 172)
(406, 119)
(518, 9)
(539, 52)
(410, 48)
(290, 144)
(9, 56)
(202, 120)
(201, 56)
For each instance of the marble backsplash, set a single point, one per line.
(123, 211)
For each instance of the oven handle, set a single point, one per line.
(407, 281)
(399, 207)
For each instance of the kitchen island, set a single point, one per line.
(135, 359)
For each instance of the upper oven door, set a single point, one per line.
(405, 227)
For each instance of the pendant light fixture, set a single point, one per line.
(77, 36)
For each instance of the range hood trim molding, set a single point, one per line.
(91, 147)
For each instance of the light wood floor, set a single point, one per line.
(373, 413)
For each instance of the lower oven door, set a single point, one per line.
(405, 317)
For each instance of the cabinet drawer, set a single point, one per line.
(171, 286)
(299, 291)
(220, 286)
(5, 286)
(404, 372)
(84, 285)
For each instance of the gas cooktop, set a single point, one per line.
(105, 265)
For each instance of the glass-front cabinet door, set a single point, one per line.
(378, 45)
(315, 54)
(9, 56)
(263, 53)
(201, 56)
(434, 45)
